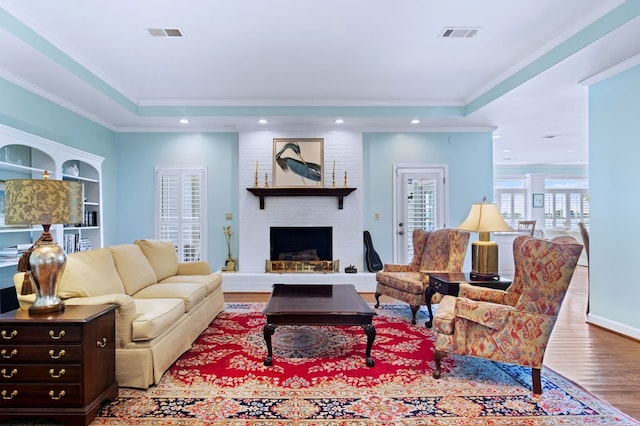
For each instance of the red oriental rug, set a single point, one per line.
(319, 377)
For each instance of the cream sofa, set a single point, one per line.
(163, 304)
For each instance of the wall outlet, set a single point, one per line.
(376, 216)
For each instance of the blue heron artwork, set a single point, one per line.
(297, 162)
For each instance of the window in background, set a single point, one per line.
(566, 202)
(181, 210)
(511, 196)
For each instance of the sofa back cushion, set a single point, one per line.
(134, 269)
(90, 273)
(162, 257)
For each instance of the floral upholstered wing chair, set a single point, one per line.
(518, 333)
(442, 250)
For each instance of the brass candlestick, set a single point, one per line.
(266, 181)
(345, 179)
(256, 180)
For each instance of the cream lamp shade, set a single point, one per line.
(45, 202)
(40, 201)
(484, 218)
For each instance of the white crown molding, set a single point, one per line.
(610, 72)
(53, 98)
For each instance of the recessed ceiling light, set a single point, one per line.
(339, 121)
(415, 121)
(506, 150)
(496, 136)
(570, 150)
(262, 121)
(184, 121)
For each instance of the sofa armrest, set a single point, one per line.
(488, 294)
(125, 313)
(200, 267)
(490, 315)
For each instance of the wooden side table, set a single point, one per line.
(448, 284)
(59, 365)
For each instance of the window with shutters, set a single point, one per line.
(566, 202)
(511, 196)
(181, 210)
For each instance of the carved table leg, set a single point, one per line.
(377, 300)
(370, 331)
(428, 294)
(268, 331)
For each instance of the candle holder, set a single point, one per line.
(266, 181)
(345, 179)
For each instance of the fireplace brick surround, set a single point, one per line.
(345, 147)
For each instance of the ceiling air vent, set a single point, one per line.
(165, 32)
(459, 32)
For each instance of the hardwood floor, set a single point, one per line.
(604, 363)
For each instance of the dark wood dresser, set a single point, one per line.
(59, 365)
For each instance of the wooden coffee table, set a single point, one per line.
(317, 304)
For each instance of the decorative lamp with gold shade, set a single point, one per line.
(484, 218)
(45, 202)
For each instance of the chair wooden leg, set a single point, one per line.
(414, 311)
(378, 299)
(536, 381)
(437, 356)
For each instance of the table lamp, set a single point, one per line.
(45, 202)
(484, 218)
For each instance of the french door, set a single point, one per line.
(420, 203)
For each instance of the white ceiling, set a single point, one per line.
(376, 64)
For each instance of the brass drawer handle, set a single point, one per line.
(60, 394)
(57, 376)
(10, 396)
(10, 375)
(11, 335)
(11, 354)
(102, 343)
(60, 354)
(58, 337)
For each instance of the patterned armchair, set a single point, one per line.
(442, 250)
(500, 330)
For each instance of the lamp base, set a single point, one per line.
(47, 262)
(484, 277)
(484, 260)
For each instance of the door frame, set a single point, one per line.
(416, 168)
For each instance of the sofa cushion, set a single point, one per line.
(212, 282)
(154, 316)
(190, 294)
(134, 269)
(90, 273)
(161, 255)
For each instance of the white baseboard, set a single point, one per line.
(614, 326)
(244, 282)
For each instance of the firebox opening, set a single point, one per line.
(301, 243)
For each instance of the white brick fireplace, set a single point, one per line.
(345, 148)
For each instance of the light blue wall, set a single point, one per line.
(469, 158)
(33, 114)
(614, 155)
(139, 154)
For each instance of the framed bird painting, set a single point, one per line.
(298, 162)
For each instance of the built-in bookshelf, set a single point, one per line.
(26, 156)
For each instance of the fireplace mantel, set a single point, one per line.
(339, 193)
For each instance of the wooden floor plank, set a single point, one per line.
(602, 362)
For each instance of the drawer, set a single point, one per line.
(54, 333)
(40, 353)
(41, 394)
(40, 373)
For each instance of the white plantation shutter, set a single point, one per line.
(421, 208)
(181, 209)
(512, 205)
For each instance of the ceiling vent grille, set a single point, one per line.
(459, 32)
(165, 32)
